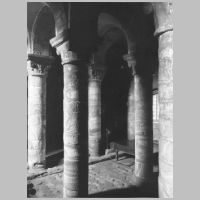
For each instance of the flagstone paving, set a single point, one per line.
(107, 178)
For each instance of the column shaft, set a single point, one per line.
(165, 84)
(131, 61)
(75, 130)
(94, 108)
(36, 121)
(75, 120)
(131, 112)
(143, 128)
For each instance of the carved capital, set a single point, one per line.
(35, 69)
(38, 65)
(96, 72)
(131, 61)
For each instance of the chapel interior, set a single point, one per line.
(99, 99)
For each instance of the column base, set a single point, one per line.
(109, 151)
(165, 188)
(37, 168)
(138, 181)
(94, 156)
(148, 187)
(74, 194)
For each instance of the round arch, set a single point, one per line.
(107, 22)
(38, 15)
(42, 31)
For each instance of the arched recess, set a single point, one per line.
(43, 30)
(35, 9)
(116, 41)
(60, 18)
(107, 22)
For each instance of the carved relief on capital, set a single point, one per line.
(96, 73)
(131, 61)
(36, 69)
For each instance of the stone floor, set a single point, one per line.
(107, 178)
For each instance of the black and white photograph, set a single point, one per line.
(99, 81)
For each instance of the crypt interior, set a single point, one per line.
(99, 99)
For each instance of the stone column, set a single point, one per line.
(130, 59)
(164, 30)
(143, 129)
(94, 107)
(75, 136)
(37, 67)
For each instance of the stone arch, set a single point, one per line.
(112, 31)
(40, 26)
(61, 21)
(113, 34)
(42, 31)
(107, 22)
